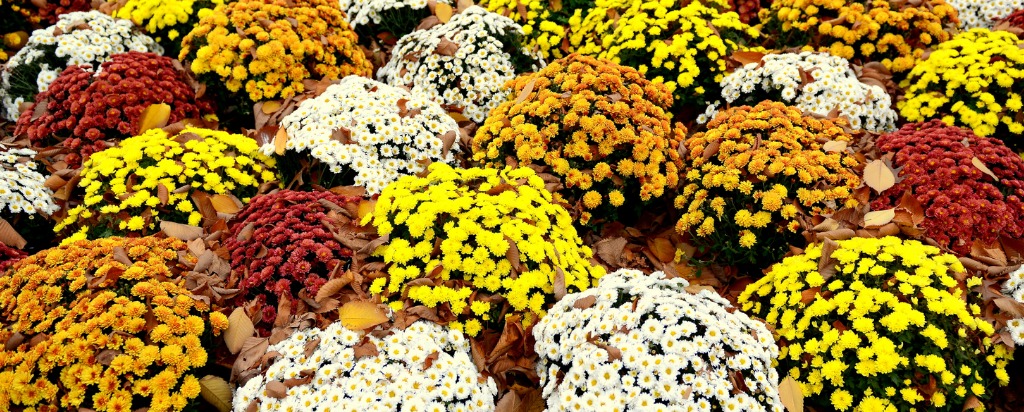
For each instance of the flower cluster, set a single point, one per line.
(747, 9)
(462, 64)
(641, 342)
(1014, 287)
(832, 85)
(684, 47)
(962, 203)
(601, 127)
(22, 188)
(878, 324)
(371, 132)
(497, 233)
(282, 244)
(91, 330)
(397, 17)
(973, 80)
(422, 368)
(48, 12)
(545, 23)
(753, 171)
(267, 48)
(85, 110)
(148, 178)
(166, 20)
(892, 32)
(1015, 19)
(77, 38)
(983, 14)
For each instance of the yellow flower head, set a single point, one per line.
(861, 321)
(101, 327)
(151, 177)
(753, 170)
(278, 43)
(891, 32)
(582, 115)
(478, 232)
(950, 84)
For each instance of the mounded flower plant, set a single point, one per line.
(873, 324)
(602, 128)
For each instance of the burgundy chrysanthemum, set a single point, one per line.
(9, 256)
(282, 245)
(85, 111)
(1015, 19)
(961, 202)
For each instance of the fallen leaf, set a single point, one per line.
(446, 47)
(509, 403)
(1011, 306)
(216, 391)
(280, 141)
(876, 218)
(225, 204)
(585, 302)
(443, 12)
(9, 236)
(333, 286)
(791, 395)
(523, 94)
(610, 250)
(879, 176)
(984, 169)
(834, 146)
(240, 328)
(181, 231)
(270, 106)
(276, 389)
(663, 249)
(361, 315)
(154, 116)
(747, 57)
(365, 349)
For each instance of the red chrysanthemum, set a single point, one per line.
(85, 111)
(8, 256)
(1015, 19)
(962, 203)
(283, 244)
(747, 9)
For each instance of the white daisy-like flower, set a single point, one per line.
(817, 83)
(81, 37)
(373, 131)
(975, 14)
(22, 188)
(639, 368)
(362, 12)
(398, 378)
(425, 61)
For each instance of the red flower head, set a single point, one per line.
(282, 244)
(84, 110)
(9, 256)
(962, 201)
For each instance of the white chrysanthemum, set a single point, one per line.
(1014, 288)
(396, 378)
(834, 86)
(22, 188)
(472, 75)
(361, 12)
(82, 37)
(974, 14)
(383, 142)
(637, 342)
